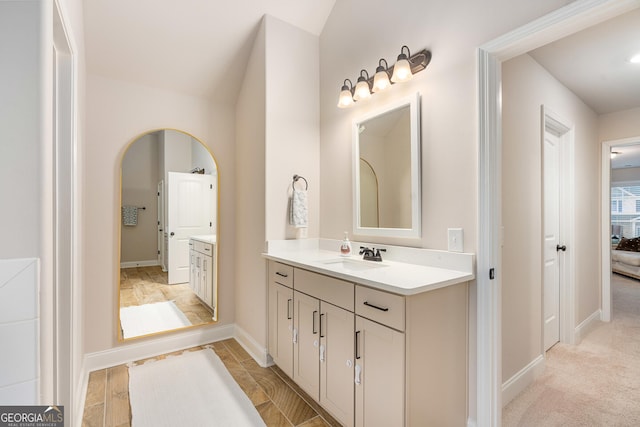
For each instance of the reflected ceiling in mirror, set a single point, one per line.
(168, 242)
(386, 170)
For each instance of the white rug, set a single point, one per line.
(193, 389)
(148, 319)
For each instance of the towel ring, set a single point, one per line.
(296, 178)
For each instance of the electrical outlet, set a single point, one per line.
(455, 239)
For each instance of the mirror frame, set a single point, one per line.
(413, 101)
(119, 259)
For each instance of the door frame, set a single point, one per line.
(567, 20)
(565, 131)
(605, 197)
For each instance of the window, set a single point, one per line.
(625, 209)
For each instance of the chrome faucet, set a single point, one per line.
(371, 254)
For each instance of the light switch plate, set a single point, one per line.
(455, 238)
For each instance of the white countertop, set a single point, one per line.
(428, 269)
(206, 238)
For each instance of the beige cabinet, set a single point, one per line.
(281, 316)
(336, 362)
(323, 342)
(379, 375)
(306, 344)
(371, 357)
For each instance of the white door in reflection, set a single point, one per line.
(189, 204)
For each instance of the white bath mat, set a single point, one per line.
(147, 319)
(193, 389)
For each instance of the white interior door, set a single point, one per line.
(161, 224)
(551, 202)
(188, 214)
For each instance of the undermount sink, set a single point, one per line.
(353, 264)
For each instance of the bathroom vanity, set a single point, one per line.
(202, 268)
(374, 343)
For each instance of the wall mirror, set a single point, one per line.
(386, 171)
(168, 245)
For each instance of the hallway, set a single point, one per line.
(596, 383)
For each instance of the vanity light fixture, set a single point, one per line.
(345, 99)
(362, 90)
(381, 78)
(401, 71)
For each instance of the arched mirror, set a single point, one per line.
(168, 245)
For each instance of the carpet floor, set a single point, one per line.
(595, 383)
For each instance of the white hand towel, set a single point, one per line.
(298, 212)
(129, 215)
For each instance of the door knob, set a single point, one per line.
(561, 248)
(172, 234)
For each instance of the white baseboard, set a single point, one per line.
(153, 347)
(148, 263)
(81, 396)
(514, 385)
(587, 325)
(257, 351)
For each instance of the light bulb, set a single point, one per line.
(401, 71)
(362, 91)
(345, 99)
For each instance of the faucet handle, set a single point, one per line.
(378, 251)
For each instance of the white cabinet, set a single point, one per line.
(201, 271)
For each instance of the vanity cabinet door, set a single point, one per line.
(306, 354)
(379, 375)
(281, 326)
(336, 362)
(207, 280)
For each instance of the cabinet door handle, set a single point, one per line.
(376, 307)
(357, 379)
(282, 274)
(313, 322)
(357, 346)
(321, 328)
(289, 301)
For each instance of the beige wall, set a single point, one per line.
(277, 137)
(526, 87)
(117, 112)
(452, 31)
(620, 125)
(140, 177)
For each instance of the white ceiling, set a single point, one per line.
(197, 47)
(594, 65)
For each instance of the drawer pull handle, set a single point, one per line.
(313, 322)
(282, 274)
(376, 307)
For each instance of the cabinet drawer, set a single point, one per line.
(202, 247)
(380, 306)
(281, 273)
(335, 291)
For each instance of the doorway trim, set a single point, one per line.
(565, 131)
(605, 197)
(553, 26)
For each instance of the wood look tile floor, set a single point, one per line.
(147, 285)
(277, 399)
